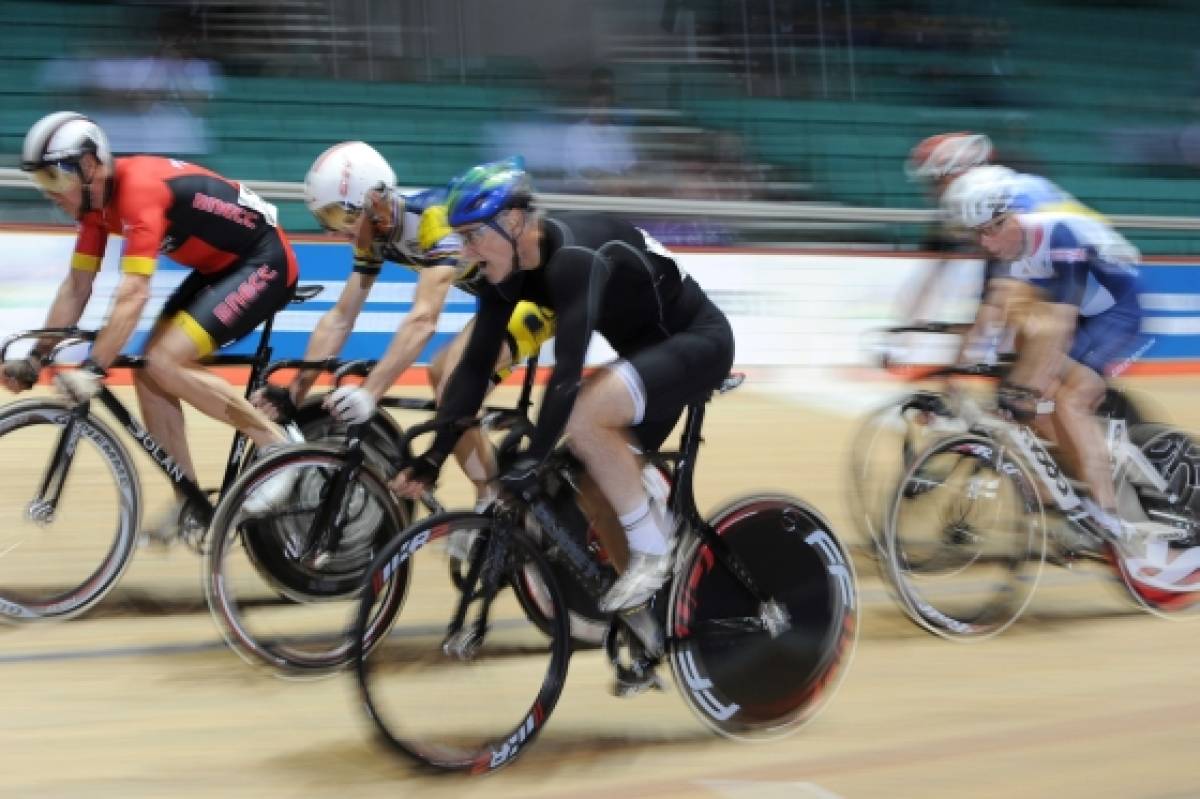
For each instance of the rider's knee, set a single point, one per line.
(162, 364)
(580, 427)
(1081, 395)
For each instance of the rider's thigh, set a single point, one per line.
(605, 400)
(672, 373)
(171, 350)
(1081, 390)
(239, 299)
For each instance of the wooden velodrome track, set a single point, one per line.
(1085, 696)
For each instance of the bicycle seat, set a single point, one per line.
(306, 292)
(732, 381)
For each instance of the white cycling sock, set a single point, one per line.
(643, 530)
(487, 497)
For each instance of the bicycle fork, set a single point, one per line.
(333, 514)
(41, 508)
(481, 585)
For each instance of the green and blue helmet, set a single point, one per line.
(483, 191)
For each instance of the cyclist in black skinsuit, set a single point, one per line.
(599, 275)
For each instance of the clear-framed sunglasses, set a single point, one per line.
(56, 178)
(339, 217)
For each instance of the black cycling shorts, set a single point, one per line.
(216, 309)
(670, 374)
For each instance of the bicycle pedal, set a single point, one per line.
(464, 644)
(318, 560)
(625, 687)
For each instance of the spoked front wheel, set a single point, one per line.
(965, 539)
(750, 669)
(466, 697)
(282, 591)
(69, 511)
(883, 448)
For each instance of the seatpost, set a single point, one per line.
(689, 449)
(262, 355)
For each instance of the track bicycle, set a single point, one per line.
(314, 549)
(757, 623)
(72, 524)
(976, 516)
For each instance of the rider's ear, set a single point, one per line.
(517, 227)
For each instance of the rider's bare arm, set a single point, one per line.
(989, 317)
(128, 301)
(332, 330)
(433, 284)
(1046, 330)
(72, 297)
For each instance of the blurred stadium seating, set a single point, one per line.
(1063, 89)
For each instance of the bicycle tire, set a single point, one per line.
(744, 680)
(410, 681)
(17, 563)
(1175, 455)
(929, 580)
(868, 491)
(234, 588)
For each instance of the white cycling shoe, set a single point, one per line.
(646, 572)
(1150, 560)
(274, 494)
(643, 577)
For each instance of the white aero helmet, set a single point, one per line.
(54, 145)
(979, 195)
(947, 154)
(339, 179)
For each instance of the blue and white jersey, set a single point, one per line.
(1077, 260)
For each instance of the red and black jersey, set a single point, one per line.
(194, 216)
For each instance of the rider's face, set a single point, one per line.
(1002, 238)
(483, 243)
(64, 184)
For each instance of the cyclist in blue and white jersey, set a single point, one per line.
(1070, 291)
(938, 161)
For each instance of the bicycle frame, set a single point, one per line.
(682, 503)
(55, 476)
(1126, 458)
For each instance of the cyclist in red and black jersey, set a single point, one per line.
(244, 271)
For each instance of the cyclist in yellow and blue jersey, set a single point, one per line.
(351, 190)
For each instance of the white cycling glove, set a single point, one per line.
(80, 385)
(351, 404)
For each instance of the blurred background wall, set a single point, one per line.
(789, 100)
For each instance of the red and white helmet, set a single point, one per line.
(947, 154)
(339, 179)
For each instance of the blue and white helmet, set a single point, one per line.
(979, 195)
